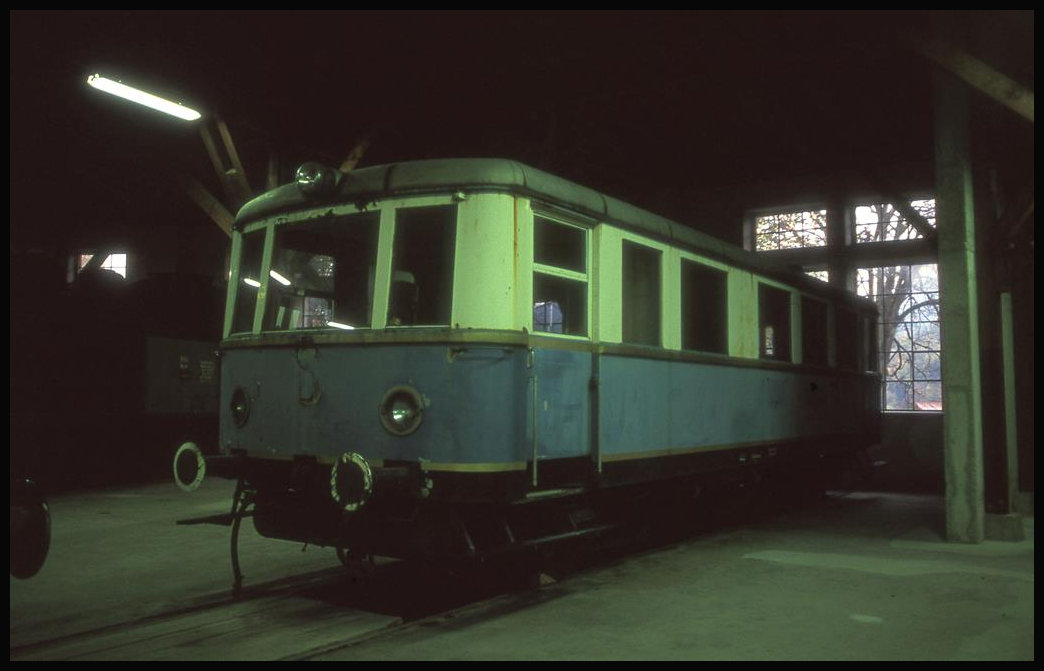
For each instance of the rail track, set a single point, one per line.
(296, 618)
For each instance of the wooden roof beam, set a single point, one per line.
(217, 212)
(981, 76)
(233, 176)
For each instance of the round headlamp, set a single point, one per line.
(401, 410)
(240, 406)
(315, 179)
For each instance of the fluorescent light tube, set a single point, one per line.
(142, 98)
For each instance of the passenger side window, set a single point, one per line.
(704, 308)
(641, 294)
(560, 277)
(422, 266)
(813, 332)
(774, 319)
(847, 340)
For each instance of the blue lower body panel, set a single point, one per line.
(325, 401)
(506, 431)
(542, 417)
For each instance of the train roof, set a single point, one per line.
(474, 175)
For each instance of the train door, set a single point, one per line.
(560, 390)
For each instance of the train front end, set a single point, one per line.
(354, 412)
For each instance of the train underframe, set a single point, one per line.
(400, 511)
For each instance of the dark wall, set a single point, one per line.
(912, 452)
(80, 377)
(720, 211)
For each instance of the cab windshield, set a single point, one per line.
(323, 273)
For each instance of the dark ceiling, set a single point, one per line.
(630, 103)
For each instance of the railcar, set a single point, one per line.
(458, 358)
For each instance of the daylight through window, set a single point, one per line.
(117, 263)
(790, 230)
(882, 222)
(908, 333)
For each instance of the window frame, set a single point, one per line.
(752, 233)
(547, 270)
(686, 257)
(792, 357)
(912, 350)
(386, 210)
(827, 332)
(455, 227)
(668, 312)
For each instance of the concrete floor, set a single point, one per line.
(858, 576)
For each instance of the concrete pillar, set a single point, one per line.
(1010, 431)
(962, 402)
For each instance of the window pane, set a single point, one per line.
(117, 263)
(790, 230)
(422, 262)
(927, 395)
(774, 311)
(898, 395)
(704, 304)
(813, 332)
(880, 222)
(559, 305)
(641, 294)
(322, 274)
(559, 245)
(249, 281)
(909, 341)
(899, 365)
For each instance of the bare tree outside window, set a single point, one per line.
(790, 230)
(882, 222)
(908, 300)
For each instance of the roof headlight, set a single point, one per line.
(316, 180)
